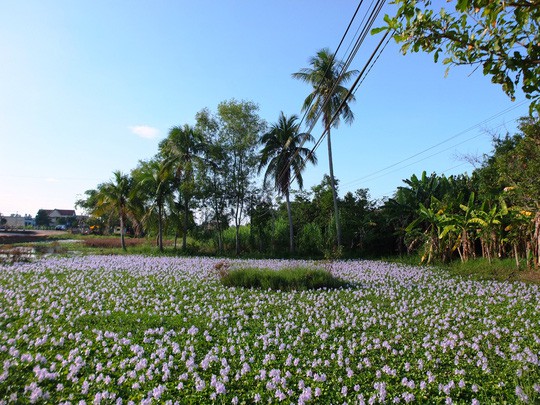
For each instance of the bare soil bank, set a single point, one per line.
(9, 238)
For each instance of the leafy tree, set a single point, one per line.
(261, 213)
(327, 77)
(284, 157)
(42, 218)
(433, 220)
(240, 128)
(182, 151)
(519, 169)
(356, 210)
(501, 37)
(213, 176)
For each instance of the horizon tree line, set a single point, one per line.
(202, 183)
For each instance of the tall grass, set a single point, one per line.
(287, 279)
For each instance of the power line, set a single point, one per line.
(344, 101)
(475, 126)
(337, 82)
(333, 57)
(382, 195)
(344, 66)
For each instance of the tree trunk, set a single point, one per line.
(237, 240)
(237, 220)
(334, 193)
(291, 230)
(536, 242)
(186, 214)
(220, 241)
(160, 229)
(465, 246)
(122, 236)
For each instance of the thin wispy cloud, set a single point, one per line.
(145, 131)
(52, 180)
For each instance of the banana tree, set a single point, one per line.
(488, 223)
(519, 227)
(433, 221)
(463, 225)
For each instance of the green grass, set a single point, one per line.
(479, 269)
(287, 279)
(482, 269)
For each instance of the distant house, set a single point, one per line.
(56, 215)
(16, 221)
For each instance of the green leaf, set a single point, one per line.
(447, 229)
(375, 31)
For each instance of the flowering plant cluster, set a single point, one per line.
(132, 329)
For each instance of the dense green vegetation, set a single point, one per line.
(196, 194)
(286, 279)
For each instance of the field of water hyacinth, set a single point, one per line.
(132, 329)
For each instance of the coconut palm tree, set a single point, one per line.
(114, 195)
(182, 150)
(154, 183)
(284, 156)
(329, 97)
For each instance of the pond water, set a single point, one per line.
(9, 254)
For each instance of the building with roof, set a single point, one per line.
(56, 216)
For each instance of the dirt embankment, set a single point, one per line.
(9, 238)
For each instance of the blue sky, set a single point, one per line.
(87, 88)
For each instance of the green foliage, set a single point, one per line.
(42, 218)
(330, 98)
(229, 238)
(285, 158)
(287, 279)
(182, 150)
(280, 234)
(500, 37)
(482, 269)
(311, 239)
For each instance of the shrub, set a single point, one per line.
(311, 239)
(229, 238)
(287, 279)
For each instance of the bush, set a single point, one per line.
(287, 279)
(229, 238)
(311, 239)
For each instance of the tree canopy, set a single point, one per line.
(501, 37)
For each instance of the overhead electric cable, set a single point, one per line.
(328, 97)
(335, 53)
(496, 115)
(338, 111)
(359, 41)
(383, 195)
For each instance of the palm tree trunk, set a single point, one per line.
(122, 237)
(291, 230)
(160, 229)
(186, 214)
(334, 193)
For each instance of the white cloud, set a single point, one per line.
(145, 131)
(52, 180)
